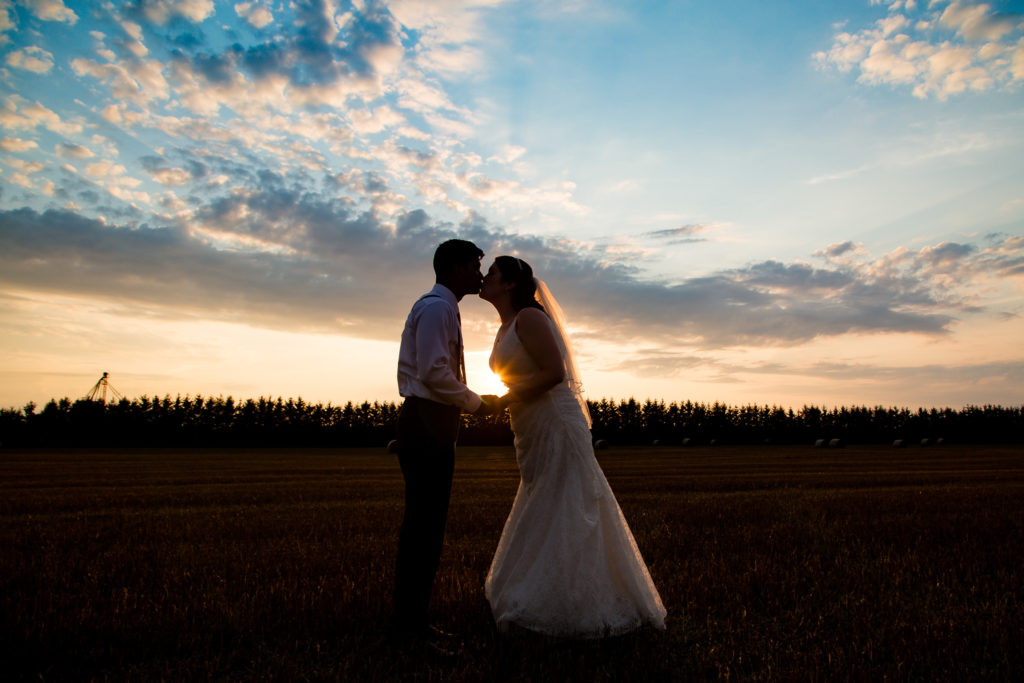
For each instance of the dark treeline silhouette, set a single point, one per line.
(216, 422)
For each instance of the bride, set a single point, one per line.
(566, 564)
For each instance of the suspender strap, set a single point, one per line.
(462, 354)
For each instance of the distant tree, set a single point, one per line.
(223, 421)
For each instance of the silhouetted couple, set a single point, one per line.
(566, 564)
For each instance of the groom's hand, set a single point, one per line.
(489, 405)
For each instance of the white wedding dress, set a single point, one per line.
(567, 564)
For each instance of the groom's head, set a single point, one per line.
(457, 266)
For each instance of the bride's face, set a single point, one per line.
(493, 286)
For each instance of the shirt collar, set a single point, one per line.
(445, 293)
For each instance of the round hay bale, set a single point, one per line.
(393, 446)
(820, 443)
(836, 443)
(601, 445)
(899, 443)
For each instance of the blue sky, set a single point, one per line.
(785, 202)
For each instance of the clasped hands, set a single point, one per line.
(491, 404)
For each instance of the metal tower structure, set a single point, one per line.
(99, 390)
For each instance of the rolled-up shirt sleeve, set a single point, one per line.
(436, 348)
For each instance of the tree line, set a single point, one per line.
(197, 421)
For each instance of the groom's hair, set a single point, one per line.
(454, 253)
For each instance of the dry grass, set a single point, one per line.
(774, 563)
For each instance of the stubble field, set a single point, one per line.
(775, 563)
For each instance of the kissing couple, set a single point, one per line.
(566, 564)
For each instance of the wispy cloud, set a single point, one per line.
(953, 383)
(683, 234)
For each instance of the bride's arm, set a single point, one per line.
(534, 333)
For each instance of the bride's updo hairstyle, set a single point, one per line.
(519, 272)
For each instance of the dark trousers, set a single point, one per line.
(426, 452)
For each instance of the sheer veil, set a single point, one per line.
(550, 305)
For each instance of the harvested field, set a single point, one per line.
(774, 563)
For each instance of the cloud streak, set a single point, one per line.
(289, 259)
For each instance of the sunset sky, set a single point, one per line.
(752, 202)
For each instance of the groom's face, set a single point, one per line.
(471, 276)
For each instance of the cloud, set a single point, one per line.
(17, 145)
(6, 22)
(73, 151)
(171, 176)
(327, 89)
(921, 146)
(139, 82)
(683, 234)
(285, 257)
(260, 203)
(628, 185)
(113, 177)
(943, 51)
(51, 10)
(947, 383)
(963, 375)
(448, 31)
(508, 154)
(834, 251)
(28, 167)
(660, 363)
(20, 114)
(161, 11)
(977, 22)
(789, 303)
(34, 59)
(367, 121)
(334, 284)
(257, 15)
(321, 57)
(105, 168)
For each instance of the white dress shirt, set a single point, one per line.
(429, 359)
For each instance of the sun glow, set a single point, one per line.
(486, 383)
(481, 379)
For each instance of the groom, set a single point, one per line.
(432, 378)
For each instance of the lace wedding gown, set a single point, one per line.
(567, 564)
